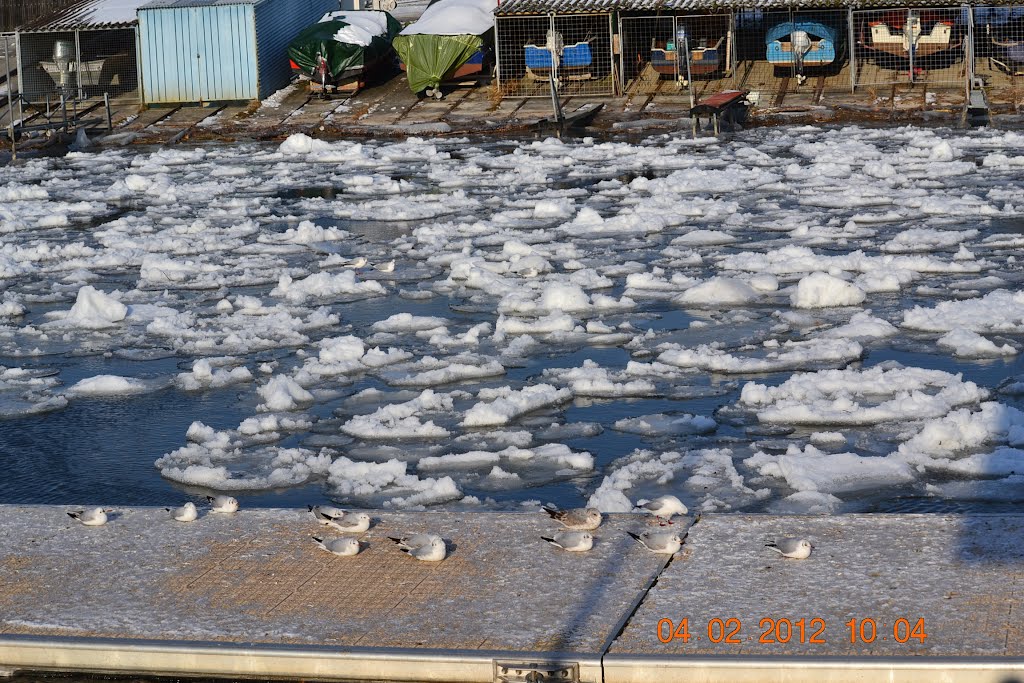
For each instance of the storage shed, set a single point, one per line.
(218, 50)
(81, 51)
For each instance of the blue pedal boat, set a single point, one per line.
(784, 49)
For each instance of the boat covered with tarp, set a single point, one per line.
(342, 47)
(801, 43)
(448, 41)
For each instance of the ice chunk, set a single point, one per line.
(998, 311)
(718, 291)
(401, 420)
(969, 344)
(508, 404)
(112, 385)
(660, 424)
(813, 470)
(95, 310)
(820, 290)
(283, 393)
(791, 355)
(324, 285)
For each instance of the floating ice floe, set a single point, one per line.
(810, 469)
(501, 406)
(790, 355)
(999, 311)
(860, 397)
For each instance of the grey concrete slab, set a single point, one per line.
(957, 581)
(147, 584)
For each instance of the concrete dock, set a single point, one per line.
(251, 595)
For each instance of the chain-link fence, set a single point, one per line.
(572, 51)
(79, 64)
(920, 45)
(998, 34)
(669, 53)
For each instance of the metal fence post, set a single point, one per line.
(106, 103)
(78, 65)
(969, 51)
(853, 49)
(497, 54)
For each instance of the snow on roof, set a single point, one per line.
(88, 14)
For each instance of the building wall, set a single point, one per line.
(198, 54)
(277, 24)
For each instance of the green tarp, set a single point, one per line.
(340, 56)
(428, 58)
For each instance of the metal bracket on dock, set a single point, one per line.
(536, 672)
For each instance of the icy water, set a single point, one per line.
(791, 320)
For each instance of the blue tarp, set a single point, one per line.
(824, 53)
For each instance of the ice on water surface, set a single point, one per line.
(792, 319)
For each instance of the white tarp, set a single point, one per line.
(454, 18)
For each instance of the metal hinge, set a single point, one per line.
(536, 672)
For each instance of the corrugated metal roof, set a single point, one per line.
(163, 4)
(87, 15)
(520, 7)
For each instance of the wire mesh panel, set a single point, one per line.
(79, 64)
(919, 45)
(662, 53)
(792, 56)
(572, 51)
(999, 54)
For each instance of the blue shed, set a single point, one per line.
(213, 50)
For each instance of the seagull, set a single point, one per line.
(387, 267)
(579, 518)
(573, 541)
(94, 517)
(351, 524)
(664, 507)
(664, 542)
(415, 540)
(186, 513)
(795, 548)
(357, 262)
(339, 546)
(435, 551)
(222, 504)
(325, 513)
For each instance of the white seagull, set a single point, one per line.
(586, 519)
(186, 513)
(346, 547)
(325, 513)
(435, 551)
(93, 517)
(794, 548)
(386, 267)
(664, 542)
(573, 541)
(357, 262)
(415, 540)
(664, 507)
(351, 524)
(224, 504)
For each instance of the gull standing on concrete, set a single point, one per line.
(434, 551)
(186, 513)
(351, 524)
(664, 507)
(794, 548)
(346, 547)
(415, 540)
(325, 513)
(663, 542)
(225, 504)
(586, 519)
(93, 517)
(573, 541)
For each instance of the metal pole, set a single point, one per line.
(853, 50)
(64, 112)
(78, 65)
(969, 50)
(497, 54)
(10, 100)
(106, 103)
(689, 73)
(908, 31)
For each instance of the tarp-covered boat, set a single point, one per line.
(801, 42)
(900, 38)
(342, 46)
(449, 35)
